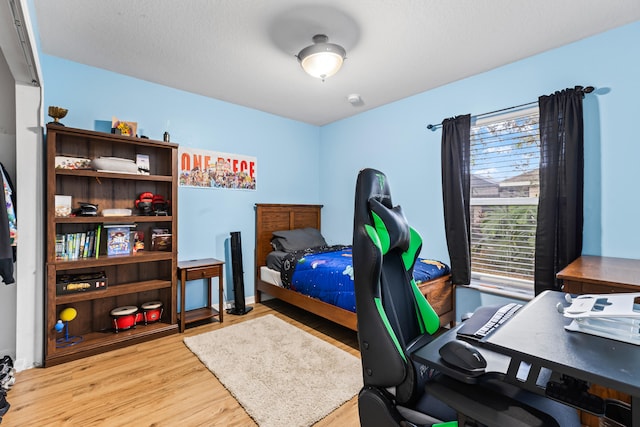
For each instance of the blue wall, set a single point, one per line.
(392, 138)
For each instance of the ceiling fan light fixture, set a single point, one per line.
(322, 59)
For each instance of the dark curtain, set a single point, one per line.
(560, 203)
(456, 170)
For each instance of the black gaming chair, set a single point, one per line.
(394, 318)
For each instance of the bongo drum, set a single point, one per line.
(152, 311)
(124, 317)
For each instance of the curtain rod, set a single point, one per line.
(587, 89)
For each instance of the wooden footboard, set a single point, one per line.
(439, 292)
(331, 312)
(274, 217)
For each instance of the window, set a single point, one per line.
(505, 158)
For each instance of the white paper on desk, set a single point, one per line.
(619, 329)
(613, 316)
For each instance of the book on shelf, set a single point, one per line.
(60, 246)
(119, 241)
(80, 247)
(88, 244)
(96, 246)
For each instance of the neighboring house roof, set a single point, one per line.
(483, 187)
(530, 178)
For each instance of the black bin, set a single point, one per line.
(616, 414)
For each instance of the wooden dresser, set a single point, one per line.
(601, 275)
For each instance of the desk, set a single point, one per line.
(200, 269)
(536, 335)
(601, 275)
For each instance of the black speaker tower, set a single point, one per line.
(238, 276)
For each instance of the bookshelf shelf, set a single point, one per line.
(100, 341)
(112, 175)
(132, 279)
(104, 260)
(113, 291)
(111, 219)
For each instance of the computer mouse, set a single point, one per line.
(462, 355)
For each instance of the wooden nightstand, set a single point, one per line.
(441, 294)
(196, 269)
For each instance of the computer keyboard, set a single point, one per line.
(503, 314)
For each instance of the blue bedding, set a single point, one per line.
(327, 274)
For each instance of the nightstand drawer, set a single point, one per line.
(203, 272)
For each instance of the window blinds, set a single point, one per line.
(505, 157)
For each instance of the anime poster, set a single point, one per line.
(212, 169)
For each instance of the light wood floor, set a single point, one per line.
(157, 383)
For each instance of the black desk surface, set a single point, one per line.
(536, 335)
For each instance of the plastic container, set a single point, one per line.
(616, 414)
(116, 212)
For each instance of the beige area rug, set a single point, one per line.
(280, 374)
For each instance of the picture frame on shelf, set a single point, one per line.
(63, 205)
(121, 127)
(160, 239)
(119, 239)
(142, 161)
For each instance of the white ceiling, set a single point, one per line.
(243, 51)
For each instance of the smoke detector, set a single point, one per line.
(355, 100)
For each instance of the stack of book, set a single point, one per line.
(72, 246)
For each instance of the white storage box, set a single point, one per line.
(65, 162)
(114, 164)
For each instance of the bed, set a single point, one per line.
(271, 218)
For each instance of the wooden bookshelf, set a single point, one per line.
(132, 279)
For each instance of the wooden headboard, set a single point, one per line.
(270, 218)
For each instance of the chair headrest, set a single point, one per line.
(391, 225)
(371, 184)
(373, 196)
